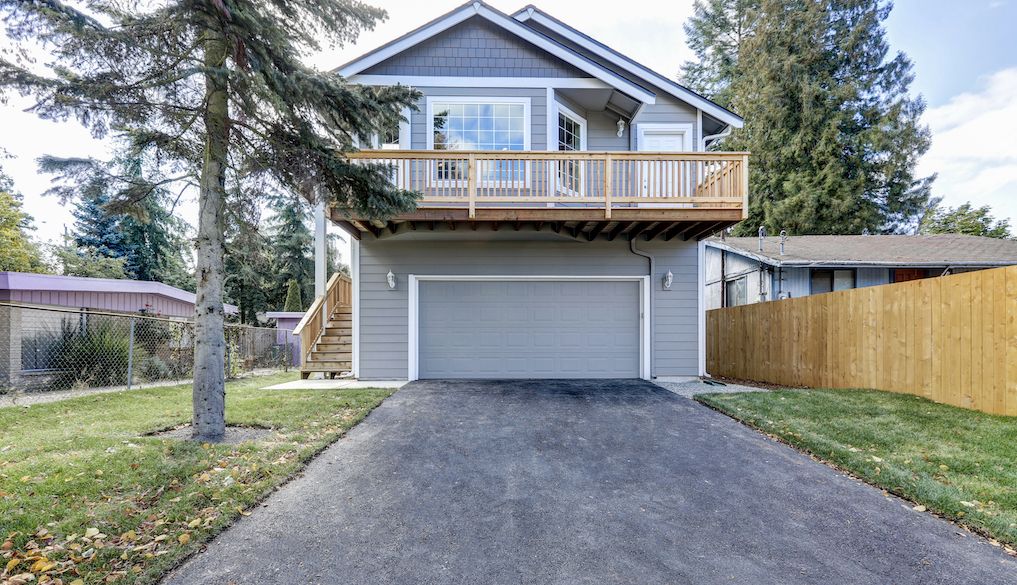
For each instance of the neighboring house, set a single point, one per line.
(565, 193)
(753, 270)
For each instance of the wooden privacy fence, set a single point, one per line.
(951, 339)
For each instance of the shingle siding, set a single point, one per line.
(384, 312)
(475, 48)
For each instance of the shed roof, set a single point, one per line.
(883, 250)
(61, 283)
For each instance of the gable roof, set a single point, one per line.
(482, 10)
(610, 55)
(891, 250)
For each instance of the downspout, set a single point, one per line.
(649, 310)
(716, 137)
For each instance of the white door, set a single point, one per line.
(664, 179)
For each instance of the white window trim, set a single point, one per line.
(462, 99)
(701, 312)
(552, 124)
(413, 280)
(404, 132)
(685, 128)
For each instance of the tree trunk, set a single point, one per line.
(209, 392)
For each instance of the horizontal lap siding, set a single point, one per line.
(384, 312)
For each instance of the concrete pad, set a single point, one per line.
(338, 384)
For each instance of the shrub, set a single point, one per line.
(95, 357)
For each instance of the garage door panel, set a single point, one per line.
(527, 329)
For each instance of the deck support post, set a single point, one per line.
(320, 249)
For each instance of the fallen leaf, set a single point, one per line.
(194, 523)
(184, 538)
(919, 508)
(11, 564)
(91, 532)
(77, 582)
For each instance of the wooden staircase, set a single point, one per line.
(327, 344)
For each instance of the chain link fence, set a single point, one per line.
(50, 348)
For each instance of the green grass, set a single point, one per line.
(958, 463)
(82, 489)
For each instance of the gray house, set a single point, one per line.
(752, 270)
(566, 191)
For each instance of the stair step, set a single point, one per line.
(332, 347)
(345, 339)
(338, 331)
(329, 356)
(326, 367)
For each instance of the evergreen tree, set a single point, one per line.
(96, 231)
(247, 263)
(292, 243)
(835, 136)
(293, 302)
(145, 233)
(217, 90)
(74, 261)
(965, 219)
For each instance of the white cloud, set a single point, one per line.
(974, 146)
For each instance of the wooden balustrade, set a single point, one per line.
(603, 180)
(338, 292)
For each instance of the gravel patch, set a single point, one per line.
(693, 387)
(234, 434)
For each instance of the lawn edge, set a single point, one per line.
(1008, 548)
(200, 545)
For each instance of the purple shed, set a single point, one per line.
(285, 322)
(102, 294)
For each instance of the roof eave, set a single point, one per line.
(476, 8)
(708, 106)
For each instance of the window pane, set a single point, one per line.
(480, 126)
(822, 281)
(843, 279)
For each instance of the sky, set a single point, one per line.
(964, 54)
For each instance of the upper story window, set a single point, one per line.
(479, 124)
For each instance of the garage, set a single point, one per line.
(491, 329)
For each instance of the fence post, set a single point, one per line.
(130, 356)
(226, 336)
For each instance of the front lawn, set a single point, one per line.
(86, 498)
(958, 463)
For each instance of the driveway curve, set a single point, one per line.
(579, 482)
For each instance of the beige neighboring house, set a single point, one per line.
(752, 270)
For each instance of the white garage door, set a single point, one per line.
(528, 329)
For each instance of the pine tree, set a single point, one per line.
(964, 219)
(247, 263)
(293, 302)
(834, 134)
(291, 242)
(217, 92)
(716, 33)
(96, 231)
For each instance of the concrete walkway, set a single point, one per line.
(556, 482)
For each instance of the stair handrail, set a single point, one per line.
(338, 291)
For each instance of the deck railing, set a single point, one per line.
(476, 179)
(338, 291)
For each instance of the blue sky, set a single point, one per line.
(965, 56)
(954, 44)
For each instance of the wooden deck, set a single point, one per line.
(583, 194)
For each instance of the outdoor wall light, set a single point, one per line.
(621, 127)
(391, 279)
(668, 279)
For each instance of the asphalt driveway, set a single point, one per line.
(580, 482)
